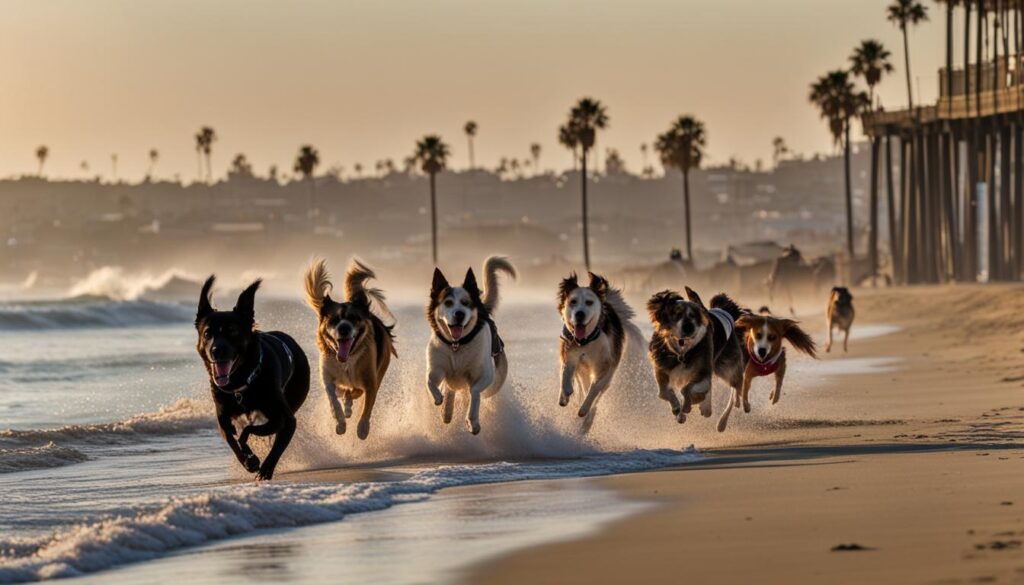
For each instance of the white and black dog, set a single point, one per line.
(693, 343)
(465, 351)
(595, 324)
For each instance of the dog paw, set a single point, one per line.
(680, 417)
(721, 425)
(251, 463)
(563, 399)
(746, 407)
(266, 473)
(438, 400)
(339, 427)
(583, 413)
(705, 412)
(363, 430)
(474, 427)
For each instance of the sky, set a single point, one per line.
(361, 80)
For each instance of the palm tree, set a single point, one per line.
(682, 147)
(535, 153)
(204, 147)
(839, 103)
(585, 119)
(358, 168)
(41, 153)
(432, 154)
(470, 130)
(200, 139)
(305, 164)
(779, 149)
(154, 156)
(870, 60)
(567, 138)
(907, 13)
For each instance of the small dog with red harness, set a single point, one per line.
(762, 339)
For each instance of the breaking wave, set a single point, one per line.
(90, 311)
(40, 457)
(236, 510)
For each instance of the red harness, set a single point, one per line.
(766, 367)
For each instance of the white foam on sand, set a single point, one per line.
(235, 510)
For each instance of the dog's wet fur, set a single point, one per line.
(590, 358)
(840, 315)
(690, 346)
(465, 352)
(230, 346)
(356, 346)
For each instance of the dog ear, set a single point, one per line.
(439, 284)
(205, 306)
(693, 296)
(598, 284)
(658, 304)
(798, 337)
(566, 287)
(470, 284)
(245, 307)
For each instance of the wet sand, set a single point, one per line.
(916, 459)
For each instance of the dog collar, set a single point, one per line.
(568, 336)
(768, 366)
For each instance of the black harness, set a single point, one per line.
(569, 337)
(497, 345)
(256, 371)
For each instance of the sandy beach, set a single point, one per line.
(919, 462)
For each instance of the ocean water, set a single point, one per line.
(109, 455)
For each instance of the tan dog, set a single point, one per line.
(840, 315)
(355, 344)
(765, 355)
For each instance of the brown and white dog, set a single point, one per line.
(840, 315)
(595, 324)
(691, 343)
(465, 351)
(355, 345)
(765, 355)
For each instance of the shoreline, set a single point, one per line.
(923, 472)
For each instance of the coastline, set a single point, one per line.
(923, 469)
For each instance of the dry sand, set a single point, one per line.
(925, 471)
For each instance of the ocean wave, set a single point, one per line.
(91, 311)
(236, 510)
(184, 416)
(38, 457)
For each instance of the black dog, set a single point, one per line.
(252, 374)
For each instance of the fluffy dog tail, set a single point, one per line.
(355, 286)
(722, 301)
(626, 314)
(492, 266)
(318, 284)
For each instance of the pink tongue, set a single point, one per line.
(581, 331)
(456, 332)
(344, 347)
(222, 372)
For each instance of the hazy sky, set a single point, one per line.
(361, 80)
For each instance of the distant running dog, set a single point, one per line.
(465, 351)
(762, 337)
(840, 315)
(254, 376)
(596, 321)
(690, 344)
(355, 345)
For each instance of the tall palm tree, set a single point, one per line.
(204, 147)
(904, 14)
(870, 60)
(432, 155)
(305, 164)
(682, 147)
(779, 149)
(470, 129)
(535, 153)
(585, 119)
(42, 152)
(839, 103)
(154, 156)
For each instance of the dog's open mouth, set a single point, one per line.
(580, 331)
(456, 331)
(222, 372)
(344, 348)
